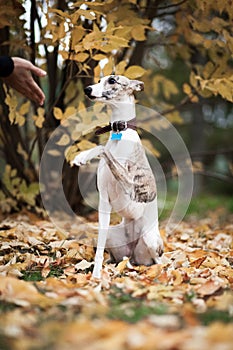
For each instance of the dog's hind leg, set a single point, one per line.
(117, 242)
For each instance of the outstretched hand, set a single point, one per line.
(21, 80)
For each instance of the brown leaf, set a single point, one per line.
(177, 277)
(209, 288)
(122, 265)
(21, 293)
(197, 262)
(153, 272)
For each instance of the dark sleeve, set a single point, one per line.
(6, 66)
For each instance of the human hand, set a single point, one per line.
(21, 80)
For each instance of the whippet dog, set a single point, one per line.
(125, 180)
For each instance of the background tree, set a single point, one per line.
(182, 50)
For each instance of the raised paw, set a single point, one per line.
(80, 159)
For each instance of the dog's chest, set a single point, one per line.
(123, 149)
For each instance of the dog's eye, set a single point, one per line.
(111, 81)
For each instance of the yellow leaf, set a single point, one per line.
(134, 72)
(85, 144)
(153, 271)
(167, 86)
(81, 57)
(120, 68)
(76, 36)
(59, 12)
(177, 277)
(24, 109)
(122, 265)
(138, 33)
(39, 119)
(187, 89)
(108, 68)
(22, 293)
(70, 111)
(54, 152)
(19, 119)
(22, 152)
(208, 70)
(57, 113)
(64, 140)
(99, 57)
(86, 13)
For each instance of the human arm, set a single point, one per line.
(20, 78)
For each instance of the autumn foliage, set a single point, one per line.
(78, 42)
(49, 300)
(182, 50)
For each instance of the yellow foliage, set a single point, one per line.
(85, 145)
(134, 72)
(39, 118)
(22, 152)
(57, 112)
(138, 32)
(81, 57)
(24, 108)
(165, 85)
(222, 86)
(120, 67)
(98, 57)
(64, 140)
(86, 13)
(69, 111)
(17, 112)
(76, 36)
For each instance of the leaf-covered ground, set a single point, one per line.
(49, 301)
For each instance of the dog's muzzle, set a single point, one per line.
(88, 91)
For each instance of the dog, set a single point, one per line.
(125, 180)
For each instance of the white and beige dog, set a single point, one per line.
(125, 181)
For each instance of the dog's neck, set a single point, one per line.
(123, 110)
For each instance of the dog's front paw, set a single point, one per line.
(80, 159)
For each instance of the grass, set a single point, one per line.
(204, 203)
(126, 308)
(213, 315)
(35, 275)
(6, 306)
(200, 205)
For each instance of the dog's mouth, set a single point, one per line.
(91, 97)
(88, 92)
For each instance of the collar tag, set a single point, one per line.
(116, 136)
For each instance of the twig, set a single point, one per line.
(172, 5)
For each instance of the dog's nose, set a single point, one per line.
(88, 91)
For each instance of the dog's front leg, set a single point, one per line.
(85, 156)
(104, 221)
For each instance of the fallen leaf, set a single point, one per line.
(122, 265)
(83, 265)
(153, 271)
(208, 288)
(197, 262)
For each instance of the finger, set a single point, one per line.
(38, 71)
(27, 65)
(34, 93)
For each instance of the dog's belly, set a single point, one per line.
(125, 206)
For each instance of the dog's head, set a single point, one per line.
(113, 87)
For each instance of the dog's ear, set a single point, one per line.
(136, 85)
